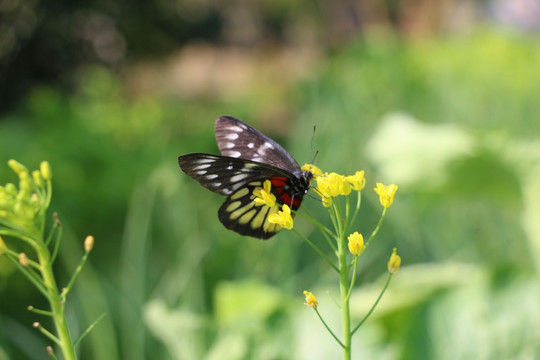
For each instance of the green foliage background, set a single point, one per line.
(453, 121)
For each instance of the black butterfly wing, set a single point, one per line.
(241, 214)
(224, 175)
(237, 178)
(237, 139)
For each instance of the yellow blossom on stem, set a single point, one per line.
(264, 195)
(332, 185)
(311, 300)
(386, 193)
(394, 262)
(357, 180)
(312, 169)
(282, 218)
(356, 243)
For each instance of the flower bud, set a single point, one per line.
(394, 263)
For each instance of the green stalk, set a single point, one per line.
(344, 292)
(57, 308)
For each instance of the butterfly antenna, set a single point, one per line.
(312, 139)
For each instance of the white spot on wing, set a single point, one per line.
(204, 161)
(218, 184)
(234, 153)
(200, 172)
(226, 191)
(251, 145)
(236, 129)
(203, 166)
(228, 145)
(230, 167)
(211, 176)
(232, 136)
(238, 177)
(268, 145)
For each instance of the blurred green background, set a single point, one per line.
(440, 98)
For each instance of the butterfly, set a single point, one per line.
(248, 158)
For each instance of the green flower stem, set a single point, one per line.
(344, 290)
(38, 283)
(376, 228)
(328, 328)
(39, 311)
(57, 307)
(57, 241)
(316, 249)
(353, 279)
(48, 334)
(88, 329)
(324, 230)
(66, 290)
(374, 304)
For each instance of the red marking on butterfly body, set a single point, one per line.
(278, 184)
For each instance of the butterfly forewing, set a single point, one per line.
(237, 139)
(223, 174)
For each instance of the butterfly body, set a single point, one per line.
(248, 159)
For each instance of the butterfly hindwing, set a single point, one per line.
(240, 213)
(237, 139)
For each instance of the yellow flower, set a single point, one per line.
(45, 170)
(357, 180)
(356, 243)
(282, 218)
(311, 300)
(264, 195)
(386, 193)
(394, 262)
(312, 169)
(331, 185)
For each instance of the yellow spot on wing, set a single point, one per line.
(258, 220)
(237, 213)
(240, 193)
(233, 206)
(244, 219)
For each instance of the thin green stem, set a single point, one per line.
(344, 289)
(47, 333)
(74, 277)
(57, 242)
(375, 304)
(316, 249)
(353, 279)
(376, 228)
(39, 311)
(38, 283)
(324, 230)
(329, 330)
(88, 329)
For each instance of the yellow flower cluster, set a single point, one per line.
(331, 185)
(20, 205)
